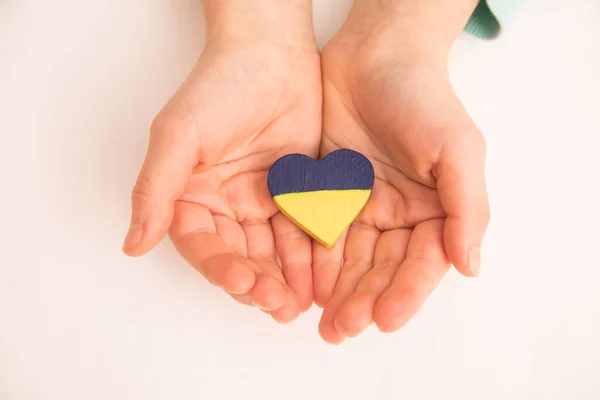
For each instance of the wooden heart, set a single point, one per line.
(322, 198)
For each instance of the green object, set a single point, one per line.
(490, 16)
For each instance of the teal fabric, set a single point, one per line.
(490, 17)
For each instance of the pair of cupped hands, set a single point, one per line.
(262, 89)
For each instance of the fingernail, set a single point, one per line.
(270, 305)
(262, 307)
(474, 260)
(341, 329)
(264, 311)
(134, 237)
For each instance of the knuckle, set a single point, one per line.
(484, 217)
(408, 290)
(161, 124)
(470, 144)
(142, 188)
(168, 124)
(293, 236)
(476, 143)
(141, 196)
(427, 255)
(482, 213)
(139, 199)
(479, 143)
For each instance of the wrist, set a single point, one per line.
(281, 22)
(421, 28)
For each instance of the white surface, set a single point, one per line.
(79, 84)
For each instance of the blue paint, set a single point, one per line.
(340, 170)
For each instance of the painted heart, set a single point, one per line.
(322, 197)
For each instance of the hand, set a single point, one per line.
(392, 100)
(254, 96)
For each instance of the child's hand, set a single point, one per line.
(254, 96)
(390, 98)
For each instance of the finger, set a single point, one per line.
(358, 260)
(282, 315)
(231, 232)
(356, 313)
(267, 294)
(261, 249)
(294, 249)
(463, 194)
(422, 270)
(169, 161)
(194, 235)
(289, 312)
(327, 264)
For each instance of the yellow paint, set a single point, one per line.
(324, 215)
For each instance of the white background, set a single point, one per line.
(80, 82)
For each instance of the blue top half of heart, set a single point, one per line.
(341, 170)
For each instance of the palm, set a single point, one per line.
(225, 222)
(393, 256)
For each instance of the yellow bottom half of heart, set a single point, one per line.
(324, 215)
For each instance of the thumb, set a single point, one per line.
(462, 189)
(164, 175)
